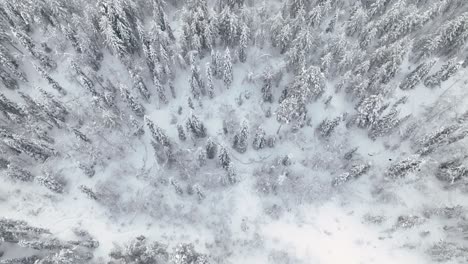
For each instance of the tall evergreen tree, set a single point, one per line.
(267, 94)
(157, 133)
(259, 141)
(224, 157)
(196, 127)
(241, 139)
(118, 25)
(132, 102)
(209, 81)
(211, 148)
(243, 43)
(227, 69)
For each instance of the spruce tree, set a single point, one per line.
(241, 139)
(181, 133)
(446, 71)
(8, 81)
(197, 87)
(50, 80)
(201, 157)
(416, 76)
(243, 43)
(50, 183)
(132, 102)
(224, 157)
(211, 148)
(196, 127)
(327, 126)
(20, 174)
(259, 141)
(209, 80)
(161, 91)
(404, 167)
(139, 84)
(228, 25)
(227, 69)
(157, 133)
(216, 64)
(267, 95)
(369, 110)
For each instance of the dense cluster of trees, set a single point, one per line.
(54, 54)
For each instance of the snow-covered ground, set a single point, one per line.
(311, 197)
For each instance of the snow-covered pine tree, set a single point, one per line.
(199, 191)
(34, 109)
(243, 43)
(178, 189)
(197, 87)
(201, 157)
(137, 126)
(231, 174)
(211, 148)
(356, 171)
(24, 40)
(227, 73)
(88, 192)
(22, 260)
(431, 141)
(228, 26)
(259, 141)
(139, 84)
(291, 109)
(357, 20)
(308, 85)
(160, 15)
(327, 126)
(181, 132)
(267, 94)
(34, 148)
(417, 75)
(217, 64)
(402, 168)
(132, 102)
(240, 142)
(196, 127)
(50, 80)
(88, 168)
(185, 253)
(190, 103)
(20, 174)
(448, 38)
(369, 110)
(157, 133)
(50, 183)
(117, 23)
(10, 64)
(446, 71)
(160, 90)
(159, 52)
(80, 135)
(52, 107)
(197, 27)
(209, 80)
(451, 171)
(28, 43)
(8, 81)
(10, 108)
(386, 124)
(84, 80)
(224, 157)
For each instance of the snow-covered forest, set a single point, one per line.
(233, 131)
